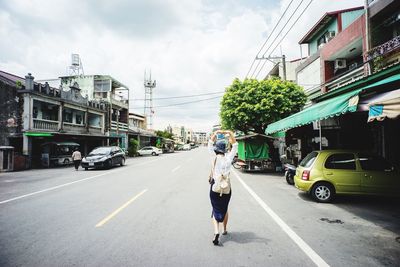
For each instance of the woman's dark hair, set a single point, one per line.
(219, 153)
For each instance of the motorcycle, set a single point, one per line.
(290, 171)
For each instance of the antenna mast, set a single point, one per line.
(149, 85)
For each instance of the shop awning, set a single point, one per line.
(328, 108)
(319, 111)
(385, 105)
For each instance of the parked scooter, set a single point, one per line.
(290, 171)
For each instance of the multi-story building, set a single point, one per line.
(200, 137)
(107, 89)
(335, 52)
(37, 113)
(350, 76)
(138, 130)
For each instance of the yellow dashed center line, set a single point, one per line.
(114, 213)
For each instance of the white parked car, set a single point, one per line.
(187, 147)
(149, 150)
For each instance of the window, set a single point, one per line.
(67, 116)
(374, 163)
(321, 40)
(344, 161)
(309, 160)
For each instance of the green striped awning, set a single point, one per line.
(328, 108)
(322, 110)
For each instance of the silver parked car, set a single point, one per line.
(149, 150)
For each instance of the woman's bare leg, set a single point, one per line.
(225, 221)
(216, 225)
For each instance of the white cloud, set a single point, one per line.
(192, 47)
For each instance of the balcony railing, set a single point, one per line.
(75, 128)
(345, 79)
(120, 103)
(119, 126)
(383, 49)
(41, 124)
(95, 129)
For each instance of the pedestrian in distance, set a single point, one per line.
(77, 157)
(220, 186)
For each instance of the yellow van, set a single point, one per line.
(326, 173)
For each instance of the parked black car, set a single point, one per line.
(104, 157)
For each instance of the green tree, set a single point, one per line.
(251, 105)
(164, 134)
(133, 146)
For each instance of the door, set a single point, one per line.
(341, 170)
(379, 176)
(146, 151)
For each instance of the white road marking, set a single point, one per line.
(176, 168)
(297, 239)
(74, 182)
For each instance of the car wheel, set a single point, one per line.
(153, 153)
(66, 161)
(122, 162)
(289, 178)
(323, 192)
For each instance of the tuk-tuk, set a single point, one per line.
(256, 153)
(57, 153)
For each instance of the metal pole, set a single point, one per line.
(367, 34)
(320, 135)
(284, 67)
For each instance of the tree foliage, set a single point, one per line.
(251, 105)
(164, 134)
(133, 146)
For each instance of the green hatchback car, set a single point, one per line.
(326, 173)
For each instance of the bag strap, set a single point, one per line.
(213, 168)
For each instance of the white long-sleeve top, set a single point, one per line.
(223, 164)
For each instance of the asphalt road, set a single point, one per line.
(155, 211)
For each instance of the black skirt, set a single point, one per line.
(219, 204)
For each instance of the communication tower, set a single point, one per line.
(76, 67)
(149, 85)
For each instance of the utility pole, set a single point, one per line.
(271, 59)
(149, 85)
(284, 67)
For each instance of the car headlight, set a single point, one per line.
(84, 160)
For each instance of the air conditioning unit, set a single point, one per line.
(330, 35)
(340, 63)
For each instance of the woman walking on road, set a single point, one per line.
(76, 157)
(220, 189)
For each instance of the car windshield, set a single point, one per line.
(100, 151)
(309, 159)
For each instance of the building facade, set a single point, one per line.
(355, 70)
(40, 114)
(105, 88)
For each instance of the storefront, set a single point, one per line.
(352, 120)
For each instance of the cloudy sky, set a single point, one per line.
(192, 47)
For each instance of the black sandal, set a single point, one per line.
(215, 240)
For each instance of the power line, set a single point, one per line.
(269, 36)
(276, 37)
(301, 14)
(185, 103)
(184, 96)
